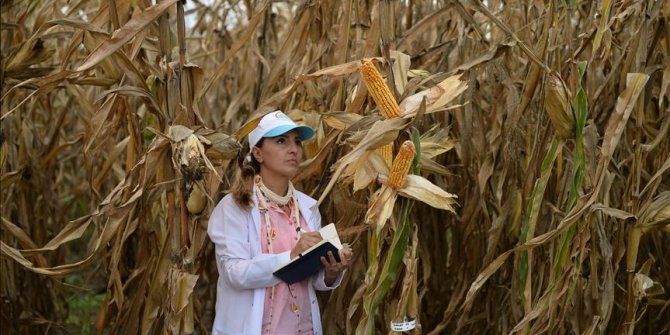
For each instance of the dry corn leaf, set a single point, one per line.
(401, 66)
(9, 178)
(248, 32)
(96, 31)
(635, 82)
(421, 189)
(363, 173)
(123, 35)
(613, 212)
(16, 255)
(435, 143)
(341, 121)
(436, 97)
(603, 26)
(664, 86)
(422, 26)
(29, 53)
(657, 176)
(381, 207)
(646, 287)
(181, 286)
(333, 71)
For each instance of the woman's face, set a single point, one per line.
(280, 156)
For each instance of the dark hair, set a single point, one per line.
(241, 189)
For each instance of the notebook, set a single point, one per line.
(309, 262)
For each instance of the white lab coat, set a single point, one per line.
(245, 271)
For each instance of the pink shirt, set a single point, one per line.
(289, 312)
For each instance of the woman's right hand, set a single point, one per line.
(306, 241)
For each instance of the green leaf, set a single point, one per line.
(534, 206)
(390, 269)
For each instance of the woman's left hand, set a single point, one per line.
(333, 267)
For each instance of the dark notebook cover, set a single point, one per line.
(306, 264)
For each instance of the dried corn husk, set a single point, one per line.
(557, 105)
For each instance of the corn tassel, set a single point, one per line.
(386, 152)
(379, 91)
(401, 165)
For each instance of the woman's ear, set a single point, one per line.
(256, 152)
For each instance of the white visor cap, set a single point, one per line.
(275, 124)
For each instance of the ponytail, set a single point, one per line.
(248, 167)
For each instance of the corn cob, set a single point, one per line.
(197, 200)
(379, 91)
(558, 107)
(401, 165)
(386, 152)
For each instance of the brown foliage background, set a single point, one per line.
(115, 111)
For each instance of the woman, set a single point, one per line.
(265, 223)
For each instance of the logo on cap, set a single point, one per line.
(281, 116)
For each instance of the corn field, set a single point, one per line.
(498, 167)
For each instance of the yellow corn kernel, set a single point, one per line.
(379, 91)
(401, 165)
(386, 152)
